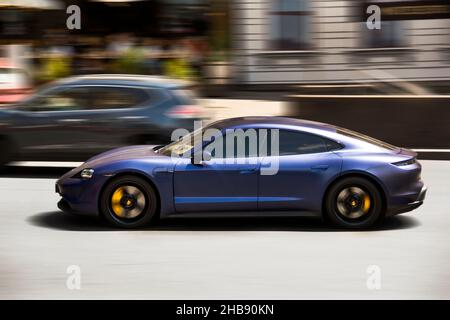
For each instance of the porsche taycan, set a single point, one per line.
(249, 166)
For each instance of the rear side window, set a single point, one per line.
(58, 99)
(332, 145)
(292, 142)
(116, 97)
(296, 142)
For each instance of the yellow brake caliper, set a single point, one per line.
(115, 201)
(366, 206)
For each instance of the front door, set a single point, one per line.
(50, 124)
(226, 182)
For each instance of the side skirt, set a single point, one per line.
(237, 214)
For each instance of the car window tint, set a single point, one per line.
(235, 144)
(292, 142)
(116, 97)
(332, 145)
(74, 98)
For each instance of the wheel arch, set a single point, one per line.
(136, 174)
(356, 174)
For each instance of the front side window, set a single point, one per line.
(61, 99)
(240, 143)
(221, 144)
(290, 22)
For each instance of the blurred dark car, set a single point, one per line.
(78, 117)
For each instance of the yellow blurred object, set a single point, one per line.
(178, 68)
(366, 203)
(115, 201)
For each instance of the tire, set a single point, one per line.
(128, 202)
(354, 203)
(6, 151)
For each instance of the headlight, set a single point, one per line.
(86, 173)
(405, 162)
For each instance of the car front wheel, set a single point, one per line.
(128, 202)
(354, 203)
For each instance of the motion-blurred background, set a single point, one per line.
(310, 59)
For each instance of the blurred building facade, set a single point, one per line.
(167, 37)
(327, 41)
(273, 42)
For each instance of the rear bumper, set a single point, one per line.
(410, 206)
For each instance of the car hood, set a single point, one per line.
(125, 153)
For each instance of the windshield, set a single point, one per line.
(186, 143)
(181, 146)
(363, 137)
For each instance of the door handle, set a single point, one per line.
(320, 167)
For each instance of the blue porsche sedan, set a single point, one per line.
(249, 166)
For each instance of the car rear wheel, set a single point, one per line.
(128, 202)
(354, 203)
(6, 151)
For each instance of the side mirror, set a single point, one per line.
(206, 155)
(197, 160)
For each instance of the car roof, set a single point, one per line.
(124, 80)
(280, 122)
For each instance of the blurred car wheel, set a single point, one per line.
(128, 202)
(5, 151)
(354, 203)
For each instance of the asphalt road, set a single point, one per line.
(218, 259)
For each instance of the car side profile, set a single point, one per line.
(78, 117)
(309, 169)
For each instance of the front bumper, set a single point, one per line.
(78, 195)
(410, 206)
(65, 207)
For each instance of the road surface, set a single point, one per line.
(408, 256)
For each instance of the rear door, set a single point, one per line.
(306, 164)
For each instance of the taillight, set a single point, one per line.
(405, 162)
(185, 111)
